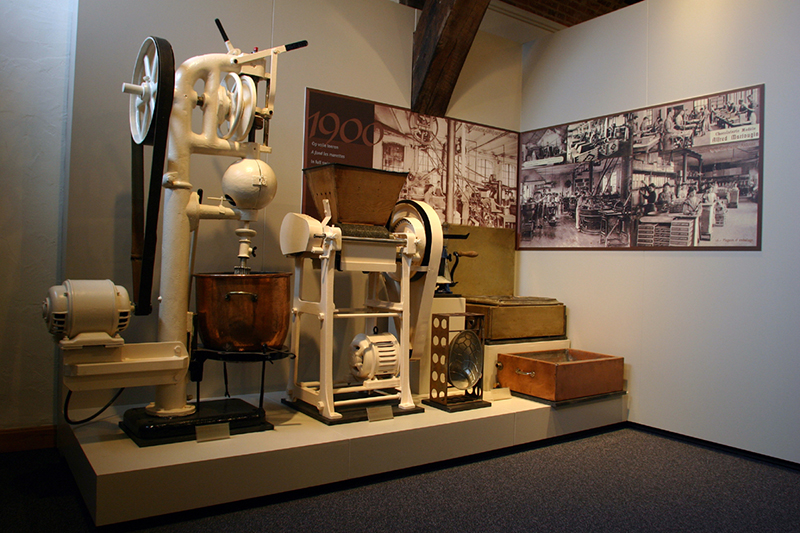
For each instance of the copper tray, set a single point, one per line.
(560, 375)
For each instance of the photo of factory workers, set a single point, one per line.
(593, 139)
(686, 175)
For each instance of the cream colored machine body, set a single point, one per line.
(219, 92)
(401, 262)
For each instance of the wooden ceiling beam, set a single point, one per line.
(572, 12)
(445, 32)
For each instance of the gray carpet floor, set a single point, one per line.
(625, 479)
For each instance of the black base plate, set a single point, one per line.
(458, 404)
(147, 430)
(350, 413)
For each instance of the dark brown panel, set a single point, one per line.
(444, 35)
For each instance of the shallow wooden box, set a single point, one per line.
(520, 317)
(561, 375)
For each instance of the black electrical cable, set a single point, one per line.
(225, 377)
(89, 419)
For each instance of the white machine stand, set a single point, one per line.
(379, 361)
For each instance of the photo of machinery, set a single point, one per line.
(684, 175)
(593, 139)
(415, 144)
(466, 171)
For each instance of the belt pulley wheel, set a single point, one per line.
(151, 91)
(414, 218)
(240, 93)
(144, 89)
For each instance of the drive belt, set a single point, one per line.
(144, 225)
(417, 209)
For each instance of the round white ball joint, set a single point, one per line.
(249, 184)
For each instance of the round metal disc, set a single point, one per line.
(145, 75)
(463, 370)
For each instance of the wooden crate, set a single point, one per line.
(520, 317)
(560, 375)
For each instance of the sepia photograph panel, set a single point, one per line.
(684, 175)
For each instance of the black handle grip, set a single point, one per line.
(221, 30)
(295, 46)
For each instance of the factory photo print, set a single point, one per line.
(684, 175)
(467, 172)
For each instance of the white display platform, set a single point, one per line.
(120, 481)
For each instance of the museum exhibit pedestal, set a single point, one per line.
(120, 481)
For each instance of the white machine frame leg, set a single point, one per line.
(406, 400)
(328, 310)
(321, 394)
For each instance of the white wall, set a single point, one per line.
(489, 87)
(34, 59)
(710, 338)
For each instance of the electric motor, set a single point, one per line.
(374, 355)
(86, 306)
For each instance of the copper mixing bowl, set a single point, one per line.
(243, 312)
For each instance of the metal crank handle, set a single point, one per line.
(295, 46)
(521, 373)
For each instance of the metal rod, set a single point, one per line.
(370, 399)
(397, 242)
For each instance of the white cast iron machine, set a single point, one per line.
(87, 315)
(398, 246)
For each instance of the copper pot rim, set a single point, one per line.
(243, 276)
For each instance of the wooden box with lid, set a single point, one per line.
(519, 317)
